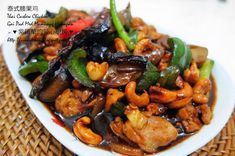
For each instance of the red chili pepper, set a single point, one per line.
(58, 122)
(75, 27)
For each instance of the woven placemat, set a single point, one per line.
(21, 133)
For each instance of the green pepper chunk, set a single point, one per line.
(182, 55)
(149, 77)
(206, 69)
(59, 18)
(77, 67)
(33, 67)
(168, 77)
(36, 64)
(118, 109)
(119, 27)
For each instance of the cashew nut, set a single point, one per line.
(50, 52)
(52, 37)
(192, 74)
(200, 98)
(96, 71)
(113, 95)
(86, 134)
(202, 86)
(137, 23)
(142, 45)
(141, 35)
(133, 98)
(120, 45)
(179, 103)
(187, 91)
(152, 33)
(146, 47)
(162, 95)
(116, 126)
(147, 31)
(200, 89)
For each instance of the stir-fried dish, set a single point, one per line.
(115, 81)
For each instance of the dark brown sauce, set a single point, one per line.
(213, 93)
(106, 118)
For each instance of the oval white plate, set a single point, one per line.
(222, 111)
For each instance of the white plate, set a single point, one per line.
(225, 87)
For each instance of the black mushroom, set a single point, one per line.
(120, 75)
(120, 57)
(56, 86)
(101, 123)
(124, 68)
(97, 52)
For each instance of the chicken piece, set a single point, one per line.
(192, 125)
(70, 103)
(206, 113)
(187, 112)
(148, 132)
(155, 108)
(189, 117)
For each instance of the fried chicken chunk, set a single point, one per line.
(72, 102)
(148, 132)
(189, 117)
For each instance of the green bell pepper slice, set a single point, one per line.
(33, 67)
(182, 55)
(77, 67)
(149, 77)
(168, 77)
(58, 19)
(39, 64)
(118, 109)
